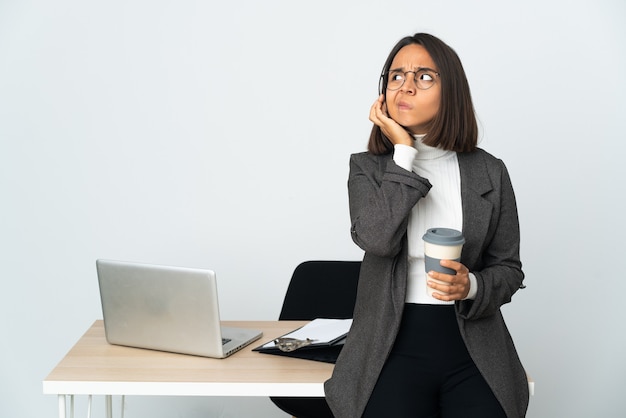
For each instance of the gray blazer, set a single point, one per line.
(381, 196)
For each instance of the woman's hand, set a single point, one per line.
(456, 287)
(390, 128)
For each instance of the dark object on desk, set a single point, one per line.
(318, 289)
(323, 354)
(327, 351)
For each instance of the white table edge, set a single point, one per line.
(183, 388)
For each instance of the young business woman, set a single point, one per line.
(409, 354)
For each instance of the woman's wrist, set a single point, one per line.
(404, 155)
(473, 287)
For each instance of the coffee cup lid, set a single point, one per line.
(444, 236)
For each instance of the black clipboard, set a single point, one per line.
(326, 351)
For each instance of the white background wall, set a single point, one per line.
(217, 134)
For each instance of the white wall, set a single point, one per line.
(216, 134)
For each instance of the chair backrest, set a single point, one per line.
(321, 289)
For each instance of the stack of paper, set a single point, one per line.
(322, 331)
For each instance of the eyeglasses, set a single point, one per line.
(424, 79)
(287, 344)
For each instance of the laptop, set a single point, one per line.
(166, 308)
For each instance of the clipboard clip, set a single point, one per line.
(287, 345)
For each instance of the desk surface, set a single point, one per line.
(96, 367)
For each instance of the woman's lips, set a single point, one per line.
(404, 106)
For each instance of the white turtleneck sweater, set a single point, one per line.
(440, 208)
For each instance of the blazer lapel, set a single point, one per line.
(477, 210)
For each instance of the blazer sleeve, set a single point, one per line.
(381, 195)
(499, 270)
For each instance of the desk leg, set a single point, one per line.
(108, 400)
(62, 406)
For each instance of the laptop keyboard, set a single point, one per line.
(225, 340)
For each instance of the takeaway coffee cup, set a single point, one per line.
(441, 244)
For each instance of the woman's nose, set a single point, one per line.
(409, 86)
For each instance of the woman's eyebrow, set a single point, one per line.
(401, 69)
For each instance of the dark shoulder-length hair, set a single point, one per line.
(454, 127)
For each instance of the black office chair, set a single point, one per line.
(318, 289)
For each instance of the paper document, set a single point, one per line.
(320, 330)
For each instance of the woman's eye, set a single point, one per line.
(426, 77)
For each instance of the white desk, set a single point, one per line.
(94, 367)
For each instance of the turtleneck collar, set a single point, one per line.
(426, 152)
